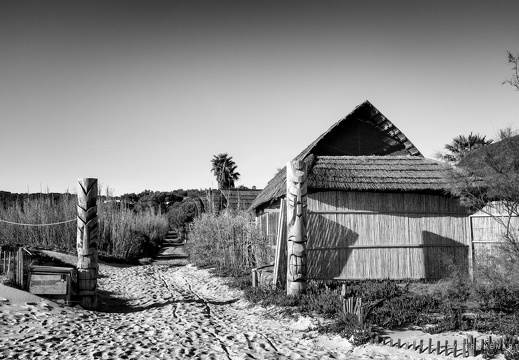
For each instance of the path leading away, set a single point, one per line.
(172, 251)
(166, 312)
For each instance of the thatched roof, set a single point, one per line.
(378, 173)
(238, 199)
(366, 173)
(363, 132)
(212, 201)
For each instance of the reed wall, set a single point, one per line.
(368, 235)
(268, 225)
(489, 229)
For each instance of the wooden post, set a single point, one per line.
(471, 248)
(281, 250)
(296, 227)
(471, 345)
(9, 263)
(87, 238)
(19, 268)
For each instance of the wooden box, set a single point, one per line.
(51, 281)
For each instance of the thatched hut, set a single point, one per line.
(215, 200)
(377, 208)
(239, 199)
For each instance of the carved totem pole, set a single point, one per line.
(296, 227)
(87, 238)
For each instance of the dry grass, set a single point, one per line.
(123, 233)
(229, 239)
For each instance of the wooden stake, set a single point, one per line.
(281, 246)
(438, 347)
(296, 227)
(87, 238)
(471, 345)
(429, 350)
(20, 268)
(464, 348)
(455, 350)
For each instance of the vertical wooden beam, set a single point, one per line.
(19, 268)
(471, 345)
(281, 249)
(87, 238)
(296, 227)
(470, 236)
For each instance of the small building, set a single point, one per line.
(239, 199)
(376, 207)
(215, 200)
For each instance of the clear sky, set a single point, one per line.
(142, 94)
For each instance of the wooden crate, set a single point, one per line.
(52, 281)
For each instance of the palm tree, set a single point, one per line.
(463, 145)
(224, 169)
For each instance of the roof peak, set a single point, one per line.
(364, 131)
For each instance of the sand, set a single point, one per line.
(168, 312)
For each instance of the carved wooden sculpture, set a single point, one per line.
(296, 227)
(87, 237)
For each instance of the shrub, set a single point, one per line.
(347, 326)
(402, 310)
(321, 300)
(229, 239)
(497, 297)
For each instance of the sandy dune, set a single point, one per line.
(166, 312)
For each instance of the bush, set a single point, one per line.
(402, 310)
(497, 297)
(347, 326)
(229, 239)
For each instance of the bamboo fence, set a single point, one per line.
(12, 265)
(468, 347)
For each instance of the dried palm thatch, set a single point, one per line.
(378, 173)
(367, 173)
(364, 132)
(239, 199)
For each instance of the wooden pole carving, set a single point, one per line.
(296, 227)
(87, 238)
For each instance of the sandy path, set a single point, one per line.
(164, 312)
